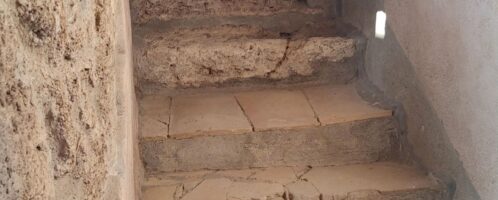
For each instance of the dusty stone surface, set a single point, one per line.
(207, 115)
(213, 189)
(278, 109)
(354, 142)
(338, 104)
(339, 181)
(212, 113)
(146, 10)
(219, 185)
(194, 57)
(257, 190)
(161, 193)
(57, 100)
(282, 175)
(155, 116)
(157, 107)
(302, 190)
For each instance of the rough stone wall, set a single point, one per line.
(57, 99)
(439, 60)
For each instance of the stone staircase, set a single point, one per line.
(257, 100)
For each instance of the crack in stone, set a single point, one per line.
(186, 192)
(282, 60)
(312, 108)
(308, 169)
(169, 115)
(245, 114)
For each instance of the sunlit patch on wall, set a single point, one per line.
(380, 24)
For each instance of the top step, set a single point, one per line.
(149, 10)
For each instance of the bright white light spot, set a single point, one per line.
(380, 24)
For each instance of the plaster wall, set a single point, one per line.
(130, 169)
(439, 60)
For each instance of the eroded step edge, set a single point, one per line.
(144, 11)
(226, 113)
(345, 143)
(384, 180)
(215, 55)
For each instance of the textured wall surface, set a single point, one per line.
(440, 61)
(58, 113)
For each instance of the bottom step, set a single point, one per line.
(384, 180)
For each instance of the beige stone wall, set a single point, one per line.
(59, 135)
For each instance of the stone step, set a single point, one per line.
(145, 11)
(379, 181)
(320, 125)
(230, 53)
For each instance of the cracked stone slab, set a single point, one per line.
(255, 191)
(282, 175)
(223, 188)
(274, 109)
(383, 180)
(211, 189)
(204, 56)
(301, 170)
(302, 190)
(207, 115)
(341, 181)
(160, 193)
(339, 104)
(154, 119)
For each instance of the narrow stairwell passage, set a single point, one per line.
(256, 100)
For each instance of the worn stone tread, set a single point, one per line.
(383, 177)
(155, 116)
(253, 111)
(383, 180)
(277, 109)
(339, 104)
(207, 115)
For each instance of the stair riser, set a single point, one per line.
(416, 194)
(209, 62)
(290, 22)
(347, 143)
(145, 10)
